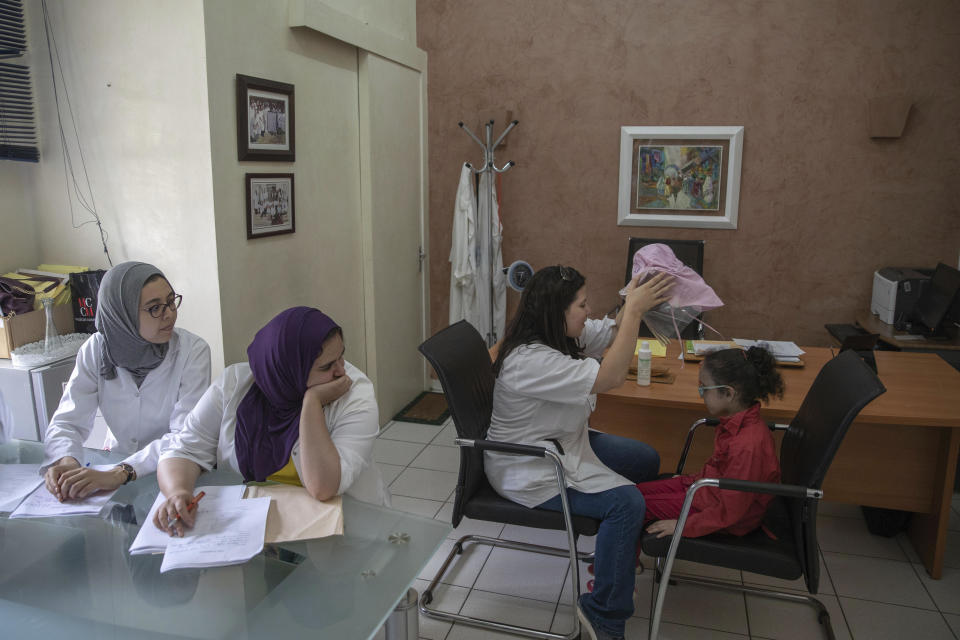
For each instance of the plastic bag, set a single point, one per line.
(84, 287)
(689, 296)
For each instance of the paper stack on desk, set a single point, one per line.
(230, 533)
(783, 351)
(17, 481)
(703, 347)
(228, 530)
(42, 504)
(150, 539)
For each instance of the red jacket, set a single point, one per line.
(743, 449)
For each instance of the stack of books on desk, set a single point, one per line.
(783, 351)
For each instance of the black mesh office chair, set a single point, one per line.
(462, 362)
(842, 388)
(690, 253)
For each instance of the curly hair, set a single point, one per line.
(752, 373)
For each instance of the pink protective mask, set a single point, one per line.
(689, 296)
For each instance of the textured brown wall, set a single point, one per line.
(821, 204)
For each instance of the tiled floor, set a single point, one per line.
(873, 587)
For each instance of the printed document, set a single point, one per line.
(42, 504)
(150, 539)
(17, 481)
(225, 533)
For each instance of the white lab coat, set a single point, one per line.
(141, 420)
(208, 436)
(490, 261)
(463, 252)
(541, 395)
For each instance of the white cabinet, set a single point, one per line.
(33, 394)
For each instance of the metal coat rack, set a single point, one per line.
(489, 166)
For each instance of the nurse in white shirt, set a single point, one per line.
(548, 375)
(143, 374)
(296, 412)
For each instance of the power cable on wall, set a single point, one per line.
(70, 177)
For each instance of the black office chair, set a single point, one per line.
(690, 253)
(842, 388)
(460, 358)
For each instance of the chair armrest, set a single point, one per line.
(773, 488)
(712, 422)
(503, 447)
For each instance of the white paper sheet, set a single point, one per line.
(150, 539)
(42, 504)
(779, 348)
(226, 533)
(17, 481)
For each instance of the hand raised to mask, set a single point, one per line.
(642, 298)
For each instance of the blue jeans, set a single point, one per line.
(634, 460)
(621, 512)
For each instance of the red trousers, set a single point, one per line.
(665, 497)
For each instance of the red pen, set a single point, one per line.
(190, 507)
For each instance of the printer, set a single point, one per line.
(895, 293)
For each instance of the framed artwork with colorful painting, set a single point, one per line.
(680, 176)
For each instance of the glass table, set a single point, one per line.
(73, 575)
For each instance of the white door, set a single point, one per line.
(393, 204)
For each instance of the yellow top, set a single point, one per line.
(287, 475)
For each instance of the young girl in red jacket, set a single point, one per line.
(732, 384)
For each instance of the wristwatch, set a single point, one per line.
(131, 473)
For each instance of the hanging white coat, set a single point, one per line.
(463, 253)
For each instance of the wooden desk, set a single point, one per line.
(888, 334)
(900, 453)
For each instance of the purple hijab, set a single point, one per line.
(268, 417)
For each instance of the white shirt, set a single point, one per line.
(141, 420)
(353, 420)
(541, 395)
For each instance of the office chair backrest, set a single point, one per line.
(689, 252)
(459, 356)
(844, 386)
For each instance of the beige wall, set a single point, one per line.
(397, 18)
(311, 267)
(319, 265)
(19, 245)
(137, 84)
(821, 204)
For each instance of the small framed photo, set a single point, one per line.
(680, 176)
(265, 128)
(269, 205)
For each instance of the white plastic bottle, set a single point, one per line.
(643, 364)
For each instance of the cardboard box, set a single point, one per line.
(16, 331)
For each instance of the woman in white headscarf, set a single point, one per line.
(143, 375)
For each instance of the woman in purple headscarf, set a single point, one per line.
(296, 412)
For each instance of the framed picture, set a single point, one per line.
(680, 176)
(269, 204)
(265, 129)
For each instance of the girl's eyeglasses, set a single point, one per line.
(700, 390)
(566, 273)
(157, 310)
